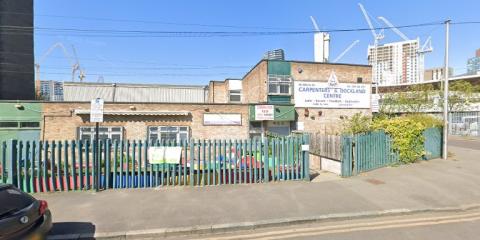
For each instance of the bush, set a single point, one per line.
(406, 131)
(407, 135)
(427, 121)
(358, 123)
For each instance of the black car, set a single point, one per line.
(22, 217)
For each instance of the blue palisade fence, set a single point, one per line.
(47, 166)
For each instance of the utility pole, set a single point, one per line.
(445, 92)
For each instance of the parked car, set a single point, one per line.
(22, 217)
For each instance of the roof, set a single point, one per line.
(135, 113)
(142, 85)
(308, 62)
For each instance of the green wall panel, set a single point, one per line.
(279, 67)
(29, 112)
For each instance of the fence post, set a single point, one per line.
(265, 160)
(346, 144)
(306, 157)
(11, 176)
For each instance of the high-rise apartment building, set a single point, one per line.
(473, 64)
(396, 63)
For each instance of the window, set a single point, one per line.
(8, 124)
(168, 133)
(359, 80)
(235, 95)
(29, 124)
(88, 133)
(279, 84)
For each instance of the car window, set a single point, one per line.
(12, 199)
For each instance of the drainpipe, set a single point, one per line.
(213, 92)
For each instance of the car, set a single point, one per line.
(22, 217)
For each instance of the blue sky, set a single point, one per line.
(196, 60)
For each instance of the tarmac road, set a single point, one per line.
(438, 226)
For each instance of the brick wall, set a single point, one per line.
(217, 92)
(329, 122)
(61, 123)
(254, 84)
(302, 71)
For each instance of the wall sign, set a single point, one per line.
(218, 119)
(96, 110)
(264, 112)
(159, 155)
(331, 95)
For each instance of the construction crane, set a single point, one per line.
(321, 43)
(76, 67)
(376, 39)
(346, 50)
(391, 26)
(376, 36)
(42, 59)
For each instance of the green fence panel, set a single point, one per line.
(37, 166)
(433, 143)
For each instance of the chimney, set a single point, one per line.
(477, 53)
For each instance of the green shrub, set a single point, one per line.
(407, 135)
(406, 131)
(358, 123)
(427, 121)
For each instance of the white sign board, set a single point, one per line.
(159, 155)
(264, 112)
(375, 104)
(96, 110)
(300, 126)
(222, 119)
(327, 95)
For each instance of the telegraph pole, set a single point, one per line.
(445, 92)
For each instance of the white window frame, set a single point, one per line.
(178, 130)
(82, 130)
(278, 81)
(235, 92)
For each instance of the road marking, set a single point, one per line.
(351, 227)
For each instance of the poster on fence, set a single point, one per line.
(159, 155)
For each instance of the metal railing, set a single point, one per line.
(46, 166)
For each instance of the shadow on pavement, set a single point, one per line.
(66, 228)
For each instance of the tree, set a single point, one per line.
(418, 98)
(461, 95)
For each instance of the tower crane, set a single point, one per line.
(376, 38)
(76, 67)
(346, 51)
(390, 25)
(42, 59)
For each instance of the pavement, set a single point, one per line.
(428, 186)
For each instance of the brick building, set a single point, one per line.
(272, 82)
(274, 97)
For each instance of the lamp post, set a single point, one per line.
(445, 92)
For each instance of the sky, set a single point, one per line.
(196, 60)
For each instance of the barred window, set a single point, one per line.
(168, 133)
(104, 132)
(279, 84)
